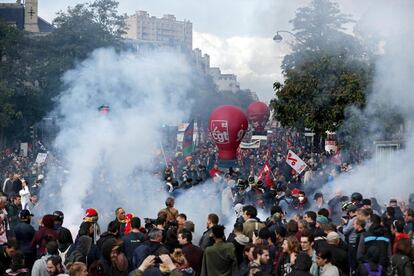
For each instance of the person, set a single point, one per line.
(401, 262)
(375, 236)
(120, 220)
(17, 265)
(153, 246)
(181, 220)
(24, 194)
(306, 243)
(171, 212)
(323, 259)
(24, 233)
(181, 262)
(339, 254)
(8, 184)
(370, 266)
(6, 252)
(111, 233)
(207, 239)
(13, 210)
(319, 201)
(220, 258)
(290, 249)
(192, 253)
(54, 265)
(303, 265)
(40, 265)
(397, 229)
(82, 248)
(78, 269)
(58, 223)
(251, 223)
(260, 259)
(239, 241)
(133, 239)
(65, 241)
(44, 234)
(113, 260)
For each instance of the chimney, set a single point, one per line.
(30, 16)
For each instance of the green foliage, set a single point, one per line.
(326, 73)
(31, 67)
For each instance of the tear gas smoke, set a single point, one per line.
(389, 176)
(110, 159)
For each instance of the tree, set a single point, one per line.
(31, 67)
(323, 75)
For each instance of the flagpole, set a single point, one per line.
(163, 153)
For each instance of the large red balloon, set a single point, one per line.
(258, 114)
(227, 126)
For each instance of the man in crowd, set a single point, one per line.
(220, 258)
(192, 253)
(207, 238)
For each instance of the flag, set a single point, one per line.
(264, 175)
(188, 139)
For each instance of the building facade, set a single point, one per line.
(165, 31)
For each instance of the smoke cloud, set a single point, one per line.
(391, 175)
(110, 158)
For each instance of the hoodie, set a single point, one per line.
(83, 246)
(239, 242)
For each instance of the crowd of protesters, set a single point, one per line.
(301, 233)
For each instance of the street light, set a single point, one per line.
(278, 37)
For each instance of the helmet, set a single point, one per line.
(356, 197)
(59, 215)
(346, 205)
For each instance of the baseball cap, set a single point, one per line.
(25, 213)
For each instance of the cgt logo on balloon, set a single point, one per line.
(220, 131)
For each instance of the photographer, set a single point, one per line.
(171, 212)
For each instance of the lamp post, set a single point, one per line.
(278, 37)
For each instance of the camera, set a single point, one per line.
(149, 223)
(157, 260)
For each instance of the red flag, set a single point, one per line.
(265, 175)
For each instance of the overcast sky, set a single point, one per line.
(237, 34)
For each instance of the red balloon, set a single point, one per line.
(227, 126)
(258, 114)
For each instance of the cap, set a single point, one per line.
(295, 192)
(332, 236)
(40, 177)
(25, 213)
(91, 212)
(322, 220)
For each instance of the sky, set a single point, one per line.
(237, 34)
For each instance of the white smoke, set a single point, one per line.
(109, 158)
(389, 176)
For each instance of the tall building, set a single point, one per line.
(224, 82)
(24, 15)
(165, 31)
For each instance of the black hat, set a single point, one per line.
(25, 214)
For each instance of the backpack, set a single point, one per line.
(373, 273)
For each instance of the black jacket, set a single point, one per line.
(375, 237)
(24, 233)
